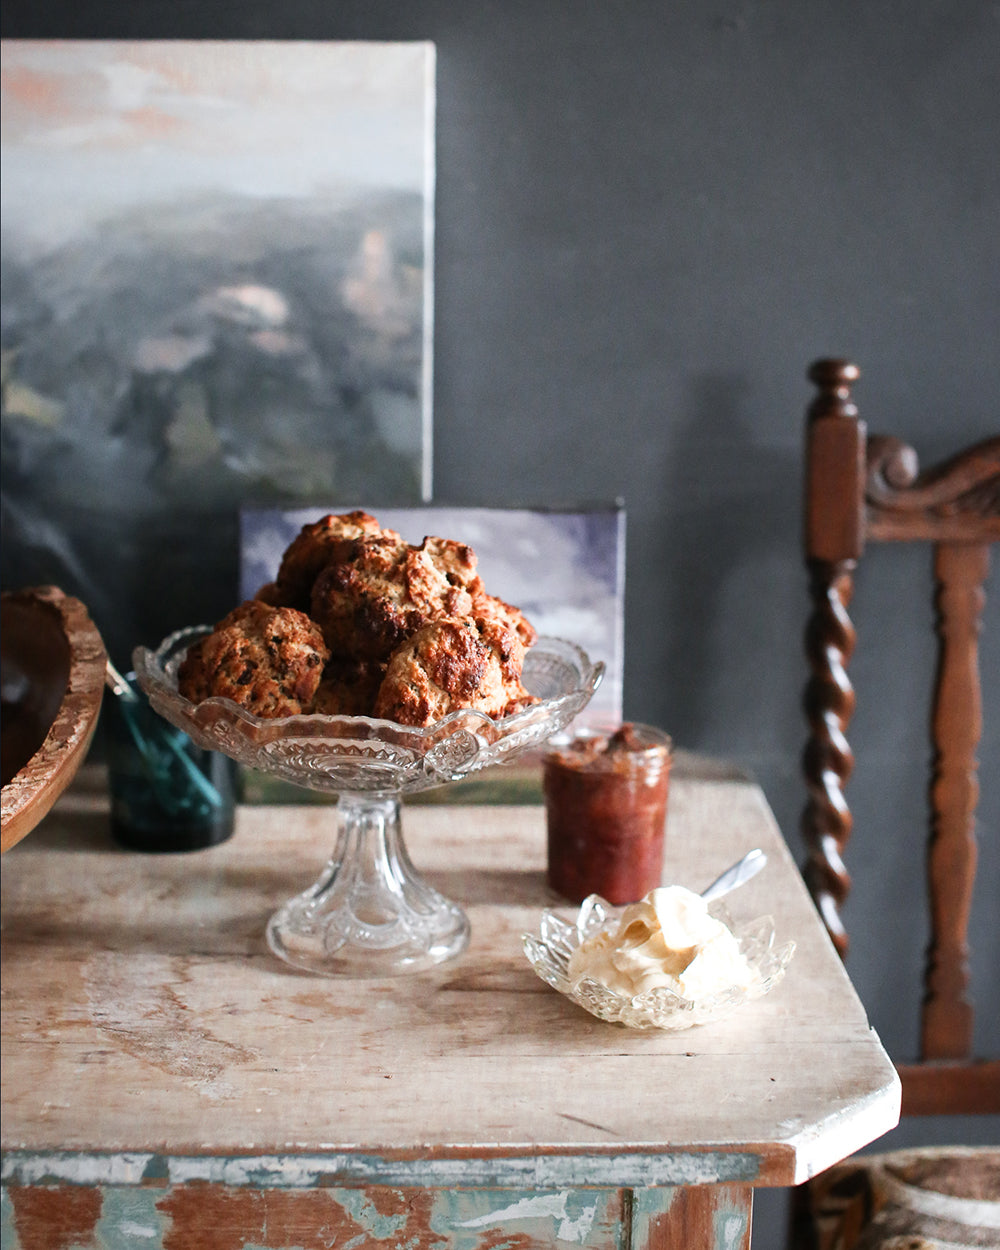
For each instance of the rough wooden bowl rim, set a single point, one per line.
(31, 792)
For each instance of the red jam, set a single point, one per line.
(606, 808)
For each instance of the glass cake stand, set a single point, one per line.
(370, 913)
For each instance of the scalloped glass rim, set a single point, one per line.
(549, 951)
(345, 753)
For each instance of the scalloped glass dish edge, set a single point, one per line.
(363, 754)
(549, 951)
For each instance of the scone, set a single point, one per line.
(316, 545)
(489, 607)
(348, 688)
(267, 659)
(450, 664)
(386, 590)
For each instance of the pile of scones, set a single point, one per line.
(359, 622)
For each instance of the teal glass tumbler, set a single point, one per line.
(167, 794)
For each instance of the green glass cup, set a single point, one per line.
(167, 794)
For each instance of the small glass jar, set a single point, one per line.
(606, 811)
(167, 794)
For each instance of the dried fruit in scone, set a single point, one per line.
(315, 546)
(454, 561)
(385, 590)
(489, 607)
(267, 659)
(348, 688)
(450, 664)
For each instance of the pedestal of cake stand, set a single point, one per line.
(370, 913)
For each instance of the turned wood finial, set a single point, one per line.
(835, 465)
(834, 379)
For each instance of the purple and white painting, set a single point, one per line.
(217, 292)
(565, 570)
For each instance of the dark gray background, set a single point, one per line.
(650, 218)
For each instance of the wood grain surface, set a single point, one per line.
(146, 1025)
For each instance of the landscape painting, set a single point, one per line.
(216, 292)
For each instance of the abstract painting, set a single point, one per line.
(217, 292)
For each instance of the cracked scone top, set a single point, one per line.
(268, 660)
(452, 664)
(386, 590)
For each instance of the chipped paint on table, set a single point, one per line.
(221, 1217)
(626, 1169)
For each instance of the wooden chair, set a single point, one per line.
(863, 488)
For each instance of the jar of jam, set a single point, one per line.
(606, 811)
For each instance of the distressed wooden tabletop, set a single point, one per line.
(144, 1019)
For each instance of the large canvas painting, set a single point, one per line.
(217, 275)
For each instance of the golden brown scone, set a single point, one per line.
(269, 660)
(456, 562)
(348, 688)
(450, 664)
(489, 607)
(317, 544)
(385, 590)
(268, 593)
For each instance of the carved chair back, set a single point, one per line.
(864, 488)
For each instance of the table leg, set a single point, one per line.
(694, 1217)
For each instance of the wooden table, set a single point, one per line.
(166, 1082)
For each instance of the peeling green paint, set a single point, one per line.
(130, 1219)
(526, 1172)
(730, 1229)
(550, 1207)
(8, 1234)
(138, 1216)
(72, 1167)
(361, 1209)
(566, 1218)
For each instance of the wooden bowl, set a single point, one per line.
(53, 666)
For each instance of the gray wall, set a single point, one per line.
(650, 218)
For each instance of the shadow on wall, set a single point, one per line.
(724, 572)
(730, 566)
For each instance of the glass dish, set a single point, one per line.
(370, 913)
(549, 954)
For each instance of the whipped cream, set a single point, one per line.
(669, 941)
